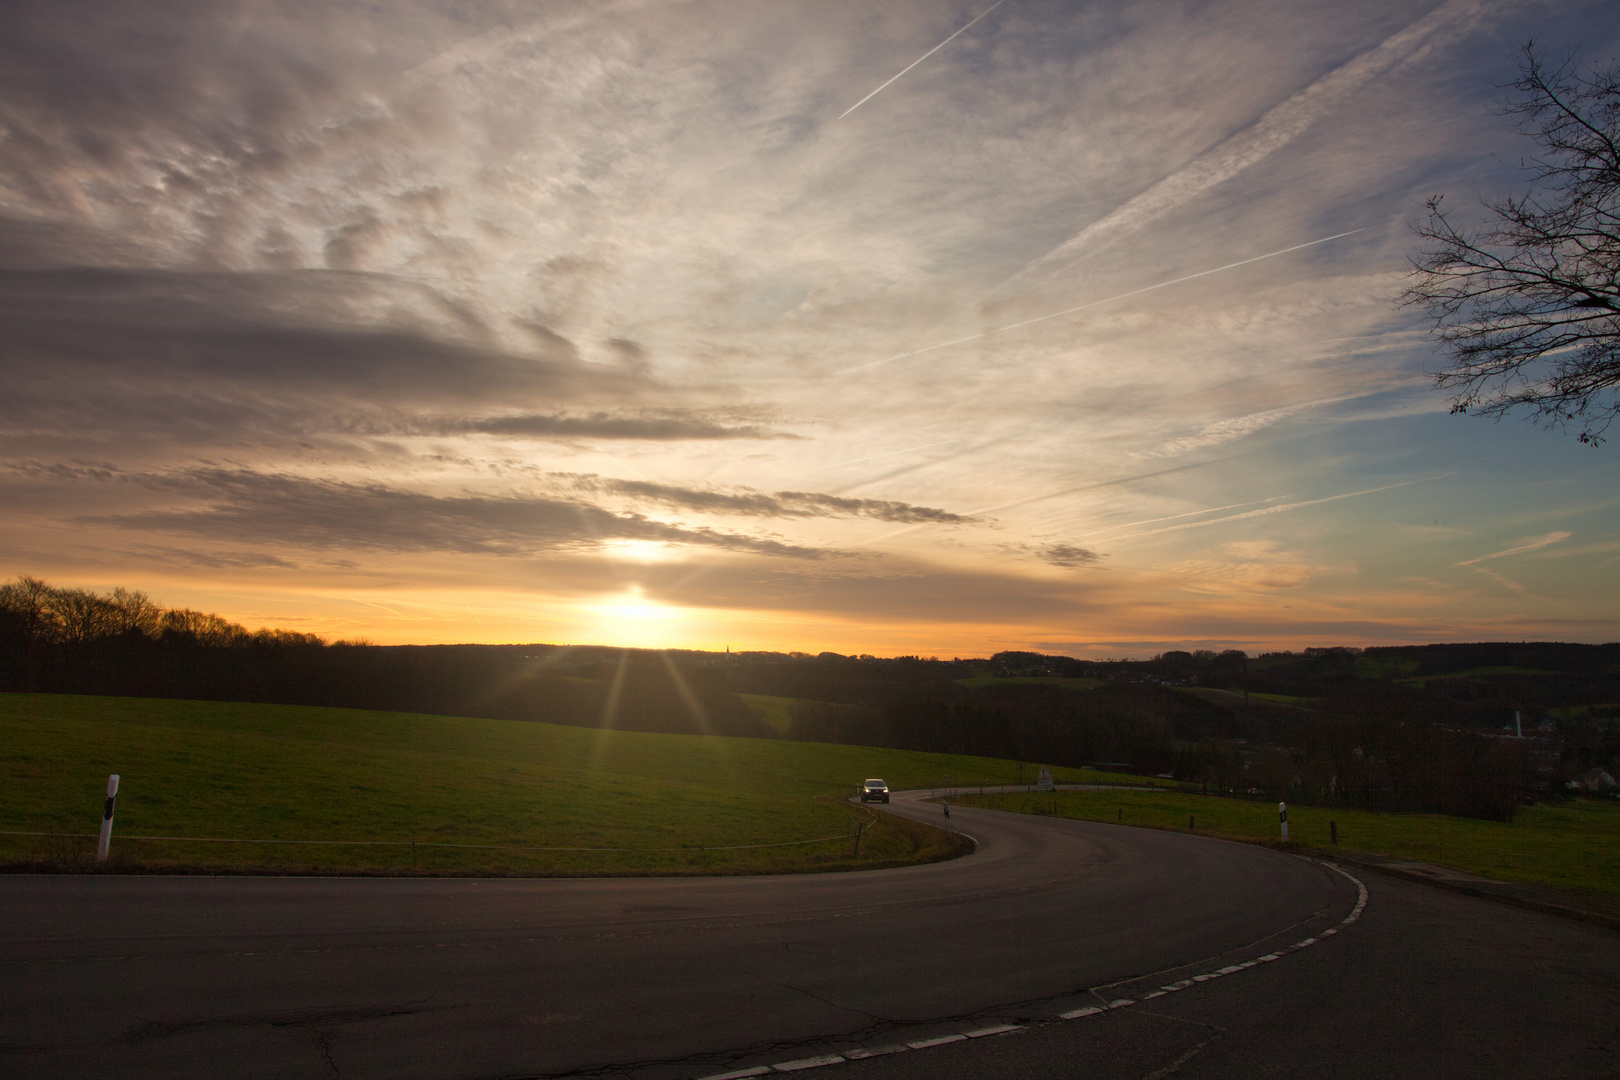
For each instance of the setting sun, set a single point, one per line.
(632, 621)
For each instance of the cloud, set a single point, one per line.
(781, 504)
(895, 590)
(659, 427)
(296, 331)
(191, 362)
(1068, 556)
(1137, 648)
(281, 511)
(332, 283)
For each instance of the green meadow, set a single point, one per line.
(268, 772)
(1574, 845)
(1070, 683)
(777, 712)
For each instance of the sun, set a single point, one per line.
(632, 621)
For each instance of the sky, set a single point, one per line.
(690, 324)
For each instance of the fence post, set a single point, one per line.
(106, 819)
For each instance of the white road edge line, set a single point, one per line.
(1074, 1014)
(808, 1063)
(923, 1044)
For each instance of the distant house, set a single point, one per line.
(1592, 780)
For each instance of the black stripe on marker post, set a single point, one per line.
(107, 819)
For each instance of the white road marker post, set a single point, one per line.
(106, 819)
(1282, 816)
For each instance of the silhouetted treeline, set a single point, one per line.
(1406, 727)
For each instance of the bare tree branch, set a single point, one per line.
(1526, 306)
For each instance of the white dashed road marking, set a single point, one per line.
(1075, 1014)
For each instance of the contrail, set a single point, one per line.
(622, 465)
(914, 466)
(1505, 582)
(1098, 303)
(368, 603)
(1280, 509)
(1532, 545)
(921, 58)
(1174, 517)
(1049, 495)
(1280, 125)
(1089, 487)
(891, 453)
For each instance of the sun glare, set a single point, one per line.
(641, 551)
(631, 620)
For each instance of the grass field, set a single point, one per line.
(1576, 845)
(268, 772)
(777, 712)
(1047, 680)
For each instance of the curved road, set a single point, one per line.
(656, 978)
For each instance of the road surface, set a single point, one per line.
(679, 978)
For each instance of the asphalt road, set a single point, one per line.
(676, 978)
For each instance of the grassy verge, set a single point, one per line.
(1576, 845)
(242, 771)
(775, 711)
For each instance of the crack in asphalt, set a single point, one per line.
(528, 936)
(817, 997)
(151, 1030)
(1175, 1066)
(1216, 1031)
(323, 1040)
(158, 1029)
(535, 934)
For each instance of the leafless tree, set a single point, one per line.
(28, 600)
(81, 615)
(203, 627)
(1527, 304)
(134, 612)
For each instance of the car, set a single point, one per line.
(874, 791)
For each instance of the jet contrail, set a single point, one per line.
(1174, 517)
(914, 466)
(921, 58)
(891, 453)
(1532, 545)
(1280, 509)
(1089, 487)
(1049, 495)
(1505, 582)
(1097, 303)
(1280, 125)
